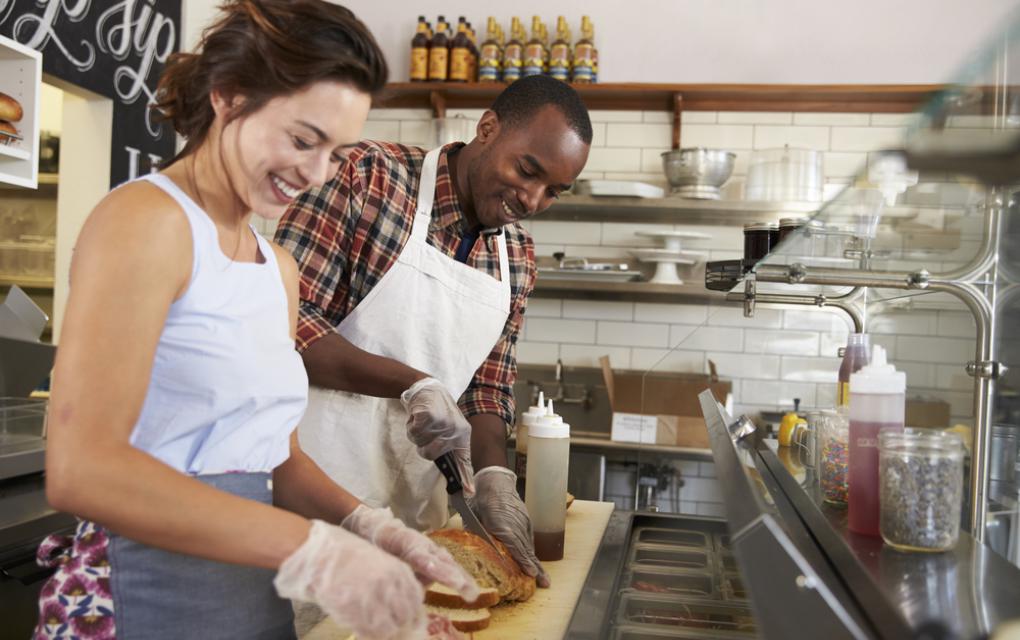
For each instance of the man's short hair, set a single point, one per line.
(524, 98)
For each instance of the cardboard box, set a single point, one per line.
(927, 412)
(660, 408)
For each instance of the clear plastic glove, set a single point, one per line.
(503, 513)
(430, 562)
(358, 585)
(436, 426)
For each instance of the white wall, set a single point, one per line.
(744, 41)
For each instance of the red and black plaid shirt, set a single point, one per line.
(346, 235)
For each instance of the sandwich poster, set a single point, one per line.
(115, 49)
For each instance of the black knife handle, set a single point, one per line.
(449, 470)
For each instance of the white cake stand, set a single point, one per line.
(666, 263)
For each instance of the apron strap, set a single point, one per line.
(426, 196)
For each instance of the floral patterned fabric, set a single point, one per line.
(76, 603)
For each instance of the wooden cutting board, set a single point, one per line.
(547, 614)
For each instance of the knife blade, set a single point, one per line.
(455, 491)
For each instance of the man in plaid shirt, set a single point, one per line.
(414, 279)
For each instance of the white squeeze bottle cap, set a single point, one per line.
(878, 376)
(549, 425)
(534, 412)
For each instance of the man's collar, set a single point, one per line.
(446, 210)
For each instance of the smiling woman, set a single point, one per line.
(177, 387)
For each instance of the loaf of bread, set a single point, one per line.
(490, 567)
(467, 620)
(10, 109)
(438, 595)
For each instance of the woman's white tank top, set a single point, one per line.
(228, 386)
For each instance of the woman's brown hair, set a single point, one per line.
(262, 49)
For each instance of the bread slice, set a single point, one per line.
(467, 620)
(442, 596)
(493, 568)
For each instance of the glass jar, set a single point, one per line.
(833, 433)
(920, 475)
(788, 226)
(757, 241)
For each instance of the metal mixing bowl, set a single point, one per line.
(697, 172)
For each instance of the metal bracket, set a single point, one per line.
(750, 289)
(990, 369)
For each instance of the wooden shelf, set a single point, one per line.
(631, 291)
(27, 282)
(695, 97)
(673, 210)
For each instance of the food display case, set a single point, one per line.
(927, 235)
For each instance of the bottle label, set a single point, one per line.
(438, 61)
(559, 62)
(534, 60)
(489, 56)
(488, 74)
(420, 63)
(582, 73)
(460, 64)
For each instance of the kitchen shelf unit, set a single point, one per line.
(21, 78)
(673, 210)
(677, 98)
(638, 291)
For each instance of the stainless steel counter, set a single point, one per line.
(806, 574)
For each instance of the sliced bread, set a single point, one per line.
(466, 620)
(493, 568)
(442, 596)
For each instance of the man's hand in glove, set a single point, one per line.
(436, 426)
(503, 513)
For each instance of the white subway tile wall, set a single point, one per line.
(773, 357)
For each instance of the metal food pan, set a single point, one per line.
(733, 587)
(707, 618)
(657, 555)
(676, 537)
(687, 584)
(646, 633)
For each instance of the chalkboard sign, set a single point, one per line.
(116, 49)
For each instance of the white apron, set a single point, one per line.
(429, 312)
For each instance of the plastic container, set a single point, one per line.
(921, 480)
(528, 418)
(785, 174)
(833, 431)
(546, 486)
(877, 398)
(858, 348)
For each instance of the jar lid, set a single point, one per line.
(756, 226)
(921, 441)
(791, 222)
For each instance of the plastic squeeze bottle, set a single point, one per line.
(528, 418)
(855, 357)
(877, 396)
(546, 493)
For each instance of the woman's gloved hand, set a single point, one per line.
(430, 562)
(436, 426)
(502, 512)
(357, 584)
